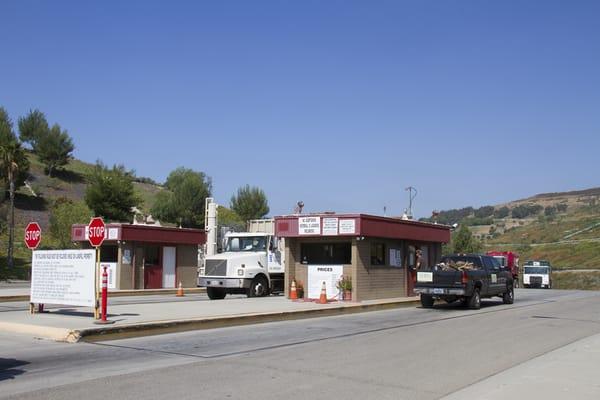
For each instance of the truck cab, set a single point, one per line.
(251, 263)
(537, 274)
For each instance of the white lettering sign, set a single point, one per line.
(395, 258)
(330, 274)
(330, 226)
(309, 226)
(347, 226)
(63, 277)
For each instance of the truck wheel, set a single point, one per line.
(509, 296)
(216, 293)
(426, 301)
(475, 300)
(258, 288)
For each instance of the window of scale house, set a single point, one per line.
(377, 253)
(326, 253)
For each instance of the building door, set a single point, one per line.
(152, 268)
(168, 264)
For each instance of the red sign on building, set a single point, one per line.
(33, 235)
(96, 230)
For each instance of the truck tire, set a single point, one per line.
(426, 301)
(258, 288)
(475, 300)
(509, 296)
(216, 293)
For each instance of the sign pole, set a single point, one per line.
(96, 295)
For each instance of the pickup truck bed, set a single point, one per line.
(465, 277)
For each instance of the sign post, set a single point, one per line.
(33, 237)
(96, 231)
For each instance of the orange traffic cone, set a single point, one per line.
(323, 297)
(180, 290)
(293, 293)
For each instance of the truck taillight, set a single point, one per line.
(464, 278)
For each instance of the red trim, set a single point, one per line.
(371, 226)
(147, 234)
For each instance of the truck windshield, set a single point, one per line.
(501, 260)
(250, 243)
(536, 270)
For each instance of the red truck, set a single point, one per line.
(508, 260)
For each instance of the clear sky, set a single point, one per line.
(341, 104)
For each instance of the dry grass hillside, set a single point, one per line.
(34, 202)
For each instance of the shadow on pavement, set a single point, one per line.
(9, 368)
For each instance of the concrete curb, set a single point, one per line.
(119, 293)
(171, 326)
(45, 332)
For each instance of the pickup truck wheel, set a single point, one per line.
(509, 296)
(258, 288)
(475, 300)
(215, 293)
(426, 301)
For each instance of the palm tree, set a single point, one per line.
(9, 153)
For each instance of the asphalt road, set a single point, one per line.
(409, 353)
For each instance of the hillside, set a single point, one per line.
(563, 228)
(33, 202)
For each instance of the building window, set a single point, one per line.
(377, 254)
(109, 254)
(326, 253)
(152, 255)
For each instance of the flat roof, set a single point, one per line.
(364, 225)
(143, 233)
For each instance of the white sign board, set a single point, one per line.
(63, 277)
(309, 226)
(347, 226)
(317, 274)
(330, 226)
(395, 258)
(111, 270)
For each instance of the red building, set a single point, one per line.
(378, 253)
(147, 256)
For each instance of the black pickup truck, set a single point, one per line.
(466, 277)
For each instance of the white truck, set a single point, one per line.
(251, 263)
(537, 274)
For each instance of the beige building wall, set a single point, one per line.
(187, 266)
(377, 281)
(125, 267)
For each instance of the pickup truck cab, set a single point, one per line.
(466, 277)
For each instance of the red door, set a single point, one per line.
(153, 267)
(152, 277)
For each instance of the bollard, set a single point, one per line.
(103, 319)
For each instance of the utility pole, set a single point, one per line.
(411, 197)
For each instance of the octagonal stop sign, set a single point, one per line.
(96, 230)
(33, 235)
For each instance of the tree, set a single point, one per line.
(12, 162)
(65, 213)
(33, 127)
(54, 148)
(502, 212)
(464, 242)
(230, 219)
(484, 212)
(110, 192)
(10, 143)
(183, 201)
(250, 203)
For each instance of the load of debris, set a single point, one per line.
(456, 266)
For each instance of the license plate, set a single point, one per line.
(438, 291)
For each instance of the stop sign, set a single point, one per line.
(96, 230)
(33, 235)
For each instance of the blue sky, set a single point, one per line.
(341, 104)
